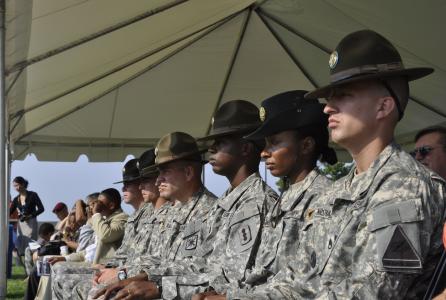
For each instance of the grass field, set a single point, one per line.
(16, 285)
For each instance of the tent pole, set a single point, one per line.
(3, 155)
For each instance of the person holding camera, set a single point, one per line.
(29, 206)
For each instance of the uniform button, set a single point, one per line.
(313, 259)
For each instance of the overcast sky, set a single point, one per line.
(67, 182)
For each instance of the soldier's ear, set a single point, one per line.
(247, 148)
(308, 144)
(189, 172)
(386, 106)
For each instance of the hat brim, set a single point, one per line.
(411, 74)
(232, 131)
(182, 157)
(149, 172)
(287, 121)
(128, 179)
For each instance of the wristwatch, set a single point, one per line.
(122, 274)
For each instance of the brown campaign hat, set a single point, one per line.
(146, 164)
(175, 146)
(130, 171)
(364, 55)
(234, 117)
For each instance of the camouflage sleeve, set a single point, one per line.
(397, 239)
(288, 283)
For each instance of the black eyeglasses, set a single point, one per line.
(423, 151)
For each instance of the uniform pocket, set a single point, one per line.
(191, 238)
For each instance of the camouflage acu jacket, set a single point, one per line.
(180, 223)
(230, 239)
(376, 235)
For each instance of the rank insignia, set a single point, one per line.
(333, 61)
(245, 234)
(262, 114)
(191, 242)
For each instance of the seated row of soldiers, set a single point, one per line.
(374, 234)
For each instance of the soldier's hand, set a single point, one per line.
(107, 275)
(215, 297)
(139, 290)
(55, 259)
(110, 290)
(202, 296)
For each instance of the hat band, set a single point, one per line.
(224, 129)
(366, 69)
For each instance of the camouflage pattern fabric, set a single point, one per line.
(146, 243)
(65, 275)
(64, 284)
(132, 232)
(376, 235)
(230, 239)
(180, 223)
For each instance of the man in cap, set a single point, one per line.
(179, 163)
(146, 242)
(381, 223)
(61, 211)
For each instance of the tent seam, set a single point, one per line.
(208, 29)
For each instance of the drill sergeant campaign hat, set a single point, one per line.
(177, 146)
(130, 171)
(234, 117)
(365, 55)
(289, 110)
(145, 164)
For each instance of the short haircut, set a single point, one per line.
(433, 129)
(112, 195)
(46, 229)
(92, 197)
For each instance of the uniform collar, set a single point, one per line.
(231, 196)
(295, 191)
(185, 209)
(353, 188)
(138, 213)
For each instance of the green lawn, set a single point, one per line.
(16, 285)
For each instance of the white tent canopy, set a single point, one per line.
(107, 78)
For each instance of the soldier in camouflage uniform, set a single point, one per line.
(147, 241)
(296, 136)
(62, 283)
(377, 233)
(179, 162)
(230, 237)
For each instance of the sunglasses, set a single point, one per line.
(422, 151)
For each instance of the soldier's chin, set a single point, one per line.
(166, 195)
